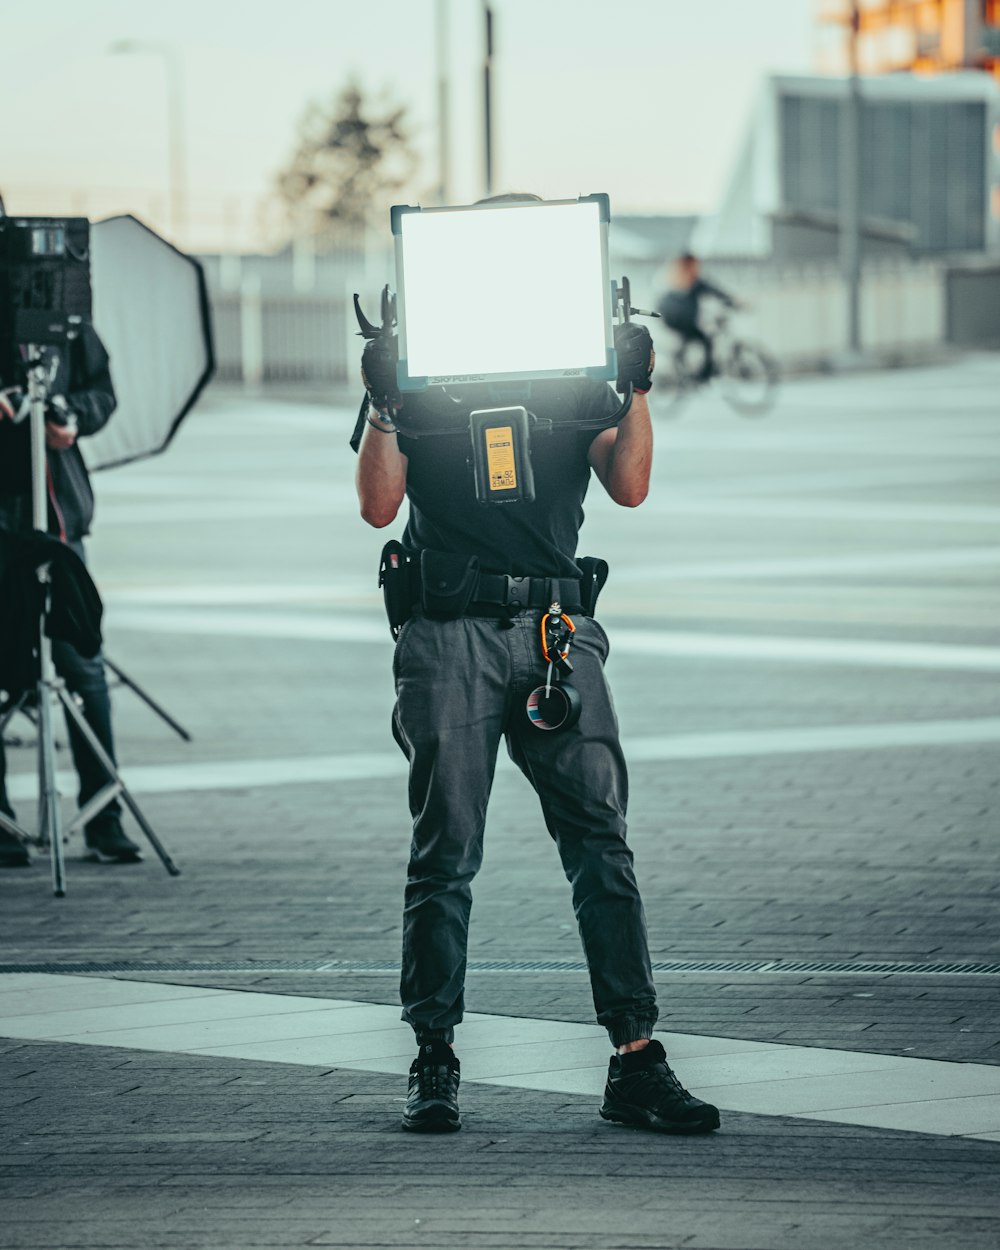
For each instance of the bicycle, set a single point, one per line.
(746, 374)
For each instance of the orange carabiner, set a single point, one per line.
(545, 644)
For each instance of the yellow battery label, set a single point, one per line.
(500, 458)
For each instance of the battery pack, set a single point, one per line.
(501, 455)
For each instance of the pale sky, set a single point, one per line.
(646, 100)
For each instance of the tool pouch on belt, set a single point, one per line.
(447, 582)
(397, 581)
(593, 575)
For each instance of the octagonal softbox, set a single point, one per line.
(151, 310)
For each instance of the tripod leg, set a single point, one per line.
(11, 826)
(147, 829)
(93, 807)
(113, 775)
(48, 796)
(49, 816)
(148, 699)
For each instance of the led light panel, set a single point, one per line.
(503, 291)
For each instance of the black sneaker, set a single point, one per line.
(13, 852)
(106, 841)
(432, 1095)
(642, 1090)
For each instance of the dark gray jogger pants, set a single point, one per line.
(85, 678)
(461, 685)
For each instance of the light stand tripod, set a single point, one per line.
(25, 705)
(147, 698)
(52, 689)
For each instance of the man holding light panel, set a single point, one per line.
(496, 603)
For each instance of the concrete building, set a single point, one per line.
(930, 170)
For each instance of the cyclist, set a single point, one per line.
(679, 307)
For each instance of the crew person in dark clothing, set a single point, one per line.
(679, 308)
(462, 679)
(81, 399)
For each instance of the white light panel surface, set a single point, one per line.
(503, 290)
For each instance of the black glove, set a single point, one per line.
(58, 411)
(378, 371)
(634, 345)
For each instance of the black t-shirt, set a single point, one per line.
(679, 308)
(524, 539)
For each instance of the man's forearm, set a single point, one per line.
(380, 478)
(632, 455)
(92, 407)
(91, 393)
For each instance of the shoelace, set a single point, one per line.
(661, 1075)
(434, 1081)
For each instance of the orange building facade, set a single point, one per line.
(921, 36)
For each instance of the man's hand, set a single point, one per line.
(378, 371)
(13, 404)
(636, 358)
(60, 424)
(59, 437)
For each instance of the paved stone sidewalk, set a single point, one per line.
(863, 510)
(147, 1150)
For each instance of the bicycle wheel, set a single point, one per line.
(749, 379)
(671, 385)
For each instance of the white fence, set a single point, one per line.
(293, 338)
(799, 312)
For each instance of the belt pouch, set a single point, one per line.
(447, 582)
(395, 577)
(593, 575)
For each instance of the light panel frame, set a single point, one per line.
(504, 292)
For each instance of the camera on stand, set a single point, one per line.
(45, 287)
(46, 304)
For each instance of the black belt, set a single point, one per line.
(517, 593)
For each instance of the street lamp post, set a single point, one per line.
(442, 54)
(850, 188)
(175, 125)
(488, 99)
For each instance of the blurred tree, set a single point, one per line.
(352, 160)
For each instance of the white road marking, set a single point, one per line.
(815, 566)
(862, 477)
(902, 441)
(336, 589)
(333, 591)
(809, 740)
(247, 508)
(248, 774)
(847, 651)
(847, 1087)
(321, 628)
(137, 487)
(321, 503)
(823, 509)
(299, 626)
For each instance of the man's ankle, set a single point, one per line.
(434, 1045)
(628, 1047)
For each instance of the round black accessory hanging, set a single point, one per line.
(557, 704)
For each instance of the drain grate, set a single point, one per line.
(730, 966)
